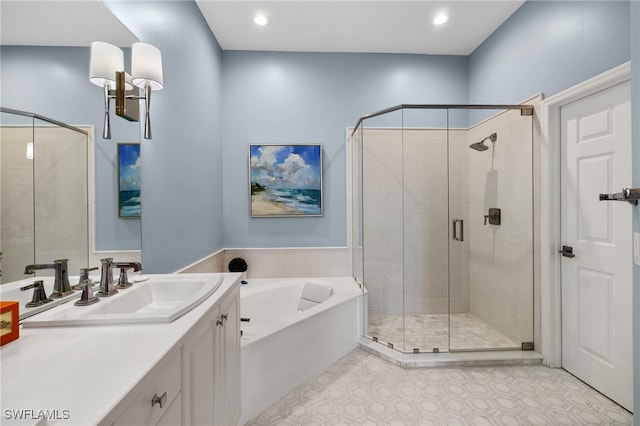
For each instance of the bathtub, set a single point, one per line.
(281, 347)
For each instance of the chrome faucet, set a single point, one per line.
(61, 287)
(87, 298)
(123, 280)
(39, 296)
(106, 278)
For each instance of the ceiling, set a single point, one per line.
(60, 23)
(390, 26)
(356, 25)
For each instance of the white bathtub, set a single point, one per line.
(281, 347)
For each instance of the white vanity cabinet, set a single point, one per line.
(212, 366)
(198, 382)
(230, 367)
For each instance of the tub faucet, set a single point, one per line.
(123, 280)
(106, 278)
(61, 286)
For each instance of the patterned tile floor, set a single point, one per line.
(362, 389)
(428, 331)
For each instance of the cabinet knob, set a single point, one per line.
(160, 400)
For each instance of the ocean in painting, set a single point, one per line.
(288, 201)
(130, 203)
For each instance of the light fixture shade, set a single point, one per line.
(106, 59)
(146, 66)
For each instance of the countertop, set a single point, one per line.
(77, 375)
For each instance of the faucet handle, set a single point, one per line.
(39, 295)
(87, 297)
(123, 280)
(84, 275)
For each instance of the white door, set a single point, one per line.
(597, 282)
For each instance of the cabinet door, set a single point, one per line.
(158, 393)
(201, 366)
(173, 415)
(230, 348)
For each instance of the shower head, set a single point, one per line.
(480, 146)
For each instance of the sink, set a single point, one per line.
(160, 299)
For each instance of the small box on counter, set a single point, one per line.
(9, 324)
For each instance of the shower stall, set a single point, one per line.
(443, 226)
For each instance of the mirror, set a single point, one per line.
(48, 210)
(43, 194)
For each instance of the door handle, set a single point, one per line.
(567, 251)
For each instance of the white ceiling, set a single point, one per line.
(390, 26)
(60, 23)
(356, 25)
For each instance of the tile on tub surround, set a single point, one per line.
(279, 262)
(293, 262)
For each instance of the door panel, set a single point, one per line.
(597, 283)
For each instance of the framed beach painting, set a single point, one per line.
(286, 180)
(129, 180)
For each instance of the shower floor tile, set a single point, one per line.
(429, 331)
(362, 389)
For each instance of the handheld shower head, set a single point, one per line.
(480, 146)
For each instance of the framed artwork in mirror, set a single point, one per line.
(129, 180)
(285, 180)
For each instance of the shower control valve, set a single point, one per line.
(493, 217)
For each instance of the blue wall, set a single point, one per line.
(182, 165)
(275, 98)
(548, 46)
(54, 82)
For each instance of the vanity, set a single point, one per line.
(182, 371)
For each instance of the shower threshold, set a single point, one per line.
(450, 359)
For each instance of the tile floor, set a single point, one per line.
(362, 389)
(428, 331)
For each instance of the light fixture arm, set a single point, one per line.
(147, 117)
(106, 132)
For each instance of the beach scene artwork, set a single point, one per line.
(286, 180)
(129, 180)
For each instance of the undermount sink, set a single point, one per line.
(160, 299)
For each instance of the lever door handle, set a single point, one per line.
(567, 251)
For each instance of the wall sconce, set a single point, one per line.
(107, 71)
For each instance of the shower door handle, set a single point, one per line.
(455, 223)
(567, 251)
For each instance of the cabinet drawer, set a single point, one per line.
(156, 396)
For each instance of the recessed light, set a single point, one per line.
(260, 20)
(440, 19)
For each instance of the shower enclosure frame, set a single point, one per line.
(357, 237)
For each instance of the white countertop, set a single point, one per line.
(79, 374)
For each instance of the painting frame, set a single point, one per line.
(285, 180)
(129, 189)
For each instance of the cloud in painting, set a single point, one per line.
(285, 166)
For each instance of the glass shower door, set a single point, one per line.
(425, 231)
(491, 213)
